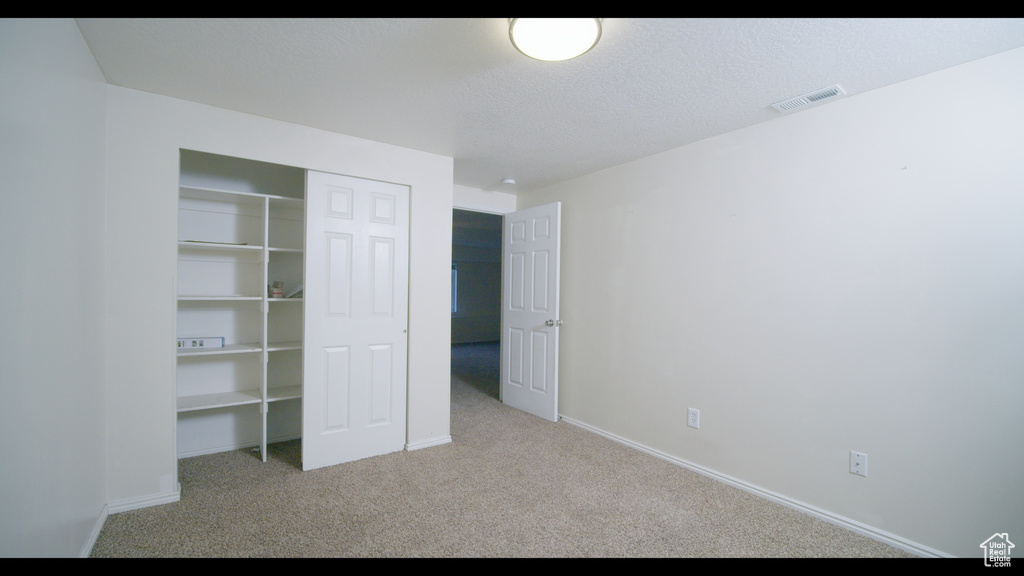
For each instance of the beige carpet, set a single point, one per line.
(509, 485)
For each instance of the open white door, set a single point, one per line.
(355, 319)
(529, 310)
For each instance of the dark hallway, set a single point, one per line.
(478, 364)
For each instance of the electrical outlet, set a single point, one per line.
(693, 417)
(858, 463)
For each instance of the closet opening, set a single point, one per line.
(238, 319)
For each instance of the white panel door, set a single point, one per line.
(529, 315)
(355, 319)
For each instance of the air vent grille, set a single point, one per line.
(809, 98)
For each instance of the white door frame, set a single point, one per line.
(463, 204)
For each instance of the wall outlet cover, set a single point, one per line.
(858, 463)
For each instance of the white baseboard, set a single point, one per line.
(217, 449)
(95, 533)
(852, 525)
(144, 501)
(428, 443)
(124, 506)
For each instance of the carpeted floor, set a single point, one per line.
(508, 485)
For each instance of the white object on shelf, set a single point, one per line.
(228, 349)
(193, 343)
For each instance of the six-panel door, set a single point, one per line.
(355, 340)
(529, 339)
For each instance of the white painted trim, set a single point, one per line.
(486, 201)
(145, 501)
(852, 525)
(255, 444)
(94, 535)
(428, 443)
(481, 208)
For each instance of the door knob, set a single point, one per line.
(553, 323)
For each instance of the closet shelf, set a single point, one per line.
(218, 298)
(221, 194)
(218, 400)
(211, 245)
(279, 346)
(283, 393)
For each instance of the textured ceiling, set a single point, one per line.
(457, 87)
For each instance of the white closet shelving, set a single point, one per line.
(233, 244)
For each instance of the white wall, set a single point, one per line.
(51, 245)
(145, 133)
(477, 200)
(846, 277)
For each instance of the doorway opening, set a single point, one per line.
(476, 300)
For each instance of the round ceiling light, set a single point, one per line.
(554, 39)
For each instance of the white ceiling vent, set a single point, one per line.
(809, 98)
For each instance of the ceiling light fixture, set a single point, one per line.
(554, 39)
